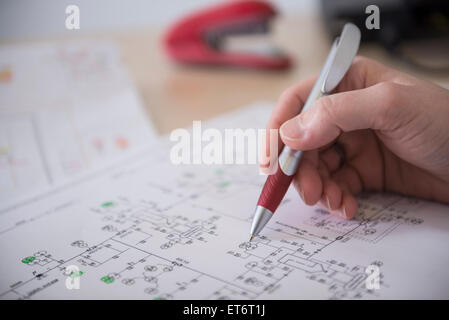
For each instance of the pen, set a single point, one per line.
(335, 67)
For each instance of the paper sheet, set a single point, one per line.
(64, 109)
(149, 230)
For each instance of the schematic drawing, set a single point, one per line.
(173, 245)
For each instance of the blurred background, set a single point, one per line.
(304, 29)
(25, 19)
(72, 99)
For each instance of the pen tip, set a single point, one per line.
(251, 238)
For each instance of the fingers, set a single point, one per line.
(348, 207)
(289, 105)
(368, 105)
(377, 107)
(331, 159)
(332, 194)
(307, 180)
(333, 191)
(365, 73)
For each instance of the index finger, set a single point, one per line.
(363, 73)
(289, 105)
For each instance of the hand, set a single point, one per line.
(382, 130)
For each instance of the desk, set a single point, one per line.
(175, 95)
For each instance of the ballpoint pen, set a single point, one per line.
(335, 67)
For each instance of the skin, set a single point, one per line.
(393, 130)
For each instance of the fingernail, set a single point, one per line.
(264, 164)
(301, 193)
(263, 171)
(292, 129)
(328, 203)
(263, 167)
(321, 205)
(343, 213)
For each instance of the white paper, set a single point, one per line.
(65, 109)
(147, 229)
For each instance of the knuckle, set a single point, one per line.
(360, 64)
(360, 61)
(275, 122)
(363, 61)
(287, 94)
(326, 107)
(389, 96)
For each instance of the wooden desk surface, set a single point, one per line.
(174, 95)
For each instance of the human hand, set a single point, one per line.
(382, 130)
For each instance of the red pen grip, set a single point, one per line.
(274, 190)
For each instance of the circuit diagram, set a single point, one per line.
(179, 244)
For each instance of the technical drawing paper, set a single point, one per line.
(64, 109)
(147, 229)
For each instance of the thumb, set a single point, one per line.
(376, 107)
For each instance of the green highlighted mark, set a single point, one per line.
(76, 274)
(224, 185)
(28, 259)
(107, 279)
(158, 298)
(107, 204)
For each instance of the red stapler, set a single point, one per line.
(203, 37)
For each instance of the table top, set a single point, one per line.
(176, 95)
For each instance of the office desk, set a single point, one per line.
(175, 95)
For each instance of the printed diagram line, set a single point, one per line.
(152, 247)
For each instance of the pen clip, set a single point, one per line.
(340, 57)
